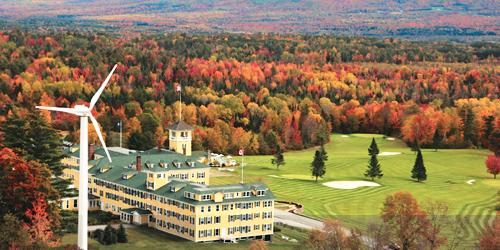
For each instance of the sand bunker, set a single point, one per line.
(471, 182)
(389, 153)
(350, 184)
(391, 138)
(345, 136)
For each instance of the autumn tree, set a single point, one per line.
(490, 239)
(39, 224)
(333, 236)
(373, 165)
(22, 185)
(278, 158)
(493, 165)
(419, 172)
(318, 165)
(437, 213)
(408, 224)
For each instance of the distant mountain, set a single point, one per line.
(369, 17)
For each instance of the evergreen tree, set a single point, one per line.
(323, 152)
(374, 168)
(469, 127)
(318, 165)
(419, 172)
(437, 140)
(488, 129)
(414, 146)
(373, 149)
(34, 139)
(109, 235)
(278, 159)
(121, 234)
(373, 165)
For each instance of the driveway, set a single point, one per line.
(296, 220)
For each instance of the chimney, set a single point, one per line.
(91, 152)
(138, 164)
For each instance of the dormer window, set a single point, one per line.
(261, 192)
(206, 197)
(246, 194)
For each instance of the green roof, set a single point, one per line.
(152, 160)
(138, 182)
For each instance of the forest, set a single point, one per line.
(258, 91)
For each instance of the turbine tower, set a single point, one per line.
(84, 113)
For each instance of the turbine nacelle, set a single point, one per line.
(84, 111)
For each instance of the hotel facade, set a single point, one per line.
(169, 190)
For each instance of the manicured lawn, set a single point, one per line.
(447, 171)
(147, 238)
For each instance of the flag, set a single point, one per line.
(241, 152)
(178, 88)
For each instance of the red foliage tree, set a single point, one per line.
(493, 165)
(39, 225)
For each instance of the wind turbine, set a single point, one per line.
(84, 113)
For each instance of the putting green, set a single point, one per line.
(448, 171)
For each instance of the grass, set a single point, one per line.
(148, 238)
(447, 171)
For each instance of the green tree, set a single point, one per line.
(323, 152)
(278, 159)
(469, 127)
(121, 234)
(373, 149)
(110, 237)
(374, 168)
(318, 165)
(34, 139)
(373, 165)
(488, 129)
(419, 172)
(437, 138)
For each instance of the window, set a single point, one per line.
(261, 192)
(202, 209)
(75, 204)
(246, 194)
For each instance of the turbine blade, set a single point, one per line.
(58, 109)
(98, 131)
(101, 89)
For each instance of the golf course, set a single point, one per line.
(456, 177)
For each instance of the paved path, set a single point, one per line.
(296, 220)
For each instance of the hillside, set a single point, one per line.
(417, 19)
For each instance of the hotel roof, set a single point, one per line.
(153, 161)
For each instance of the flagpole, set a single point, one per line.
(242, 162)
(121, 125)
(180, 103)
(242, 153)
